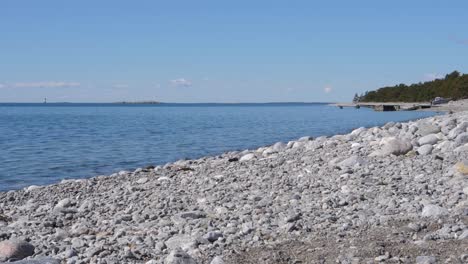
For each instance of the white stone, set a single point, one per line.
(352, 161)
(465, 190)
(32, 188)
(63, 203)
(428, 139)
(461, 139)
(392, 145)
(432, 210)
(427, 128)
(279, 146)
(247, 157)
(425, 260)
(425, 149)
(178, 256)
(142, 180)
(217, 260)
(464, 235)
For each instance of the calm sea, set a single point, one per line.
(45, 143)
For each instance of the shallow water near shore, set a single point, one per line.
(45, 143)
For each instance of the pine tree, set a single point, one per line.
(356, 98)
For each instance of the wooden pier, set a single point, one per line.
(387, 106)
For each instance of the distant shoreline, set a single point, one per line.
(163, 103)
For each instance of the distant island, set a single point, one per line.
(453, 86)
(138, 102)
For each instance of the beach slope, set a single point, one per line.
(397, 193)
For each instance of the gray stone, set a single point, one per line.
(184, 242)
(432, 210)
(352, 161)
(425, 150)
(428, 139)
(15, 249)
(425, 260)
(142, 180)
(192, 215)
(306, 138)
(63, 203)
(427, 128)
(458, 130)
(464, 235)
(217, 260)
(178, 256)
(393, 146)
(213, 236)
(39, 260)
(247, 157)
(461, 139)
(279, 146)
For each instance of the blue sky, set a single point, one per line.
(224, 51)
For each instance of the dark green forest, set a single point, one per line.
(453, 86)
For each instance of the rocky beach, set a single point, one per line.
(391, 194)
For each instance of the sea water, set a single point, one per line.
(45, 143)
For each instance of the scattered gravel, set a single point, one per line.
(392, 194)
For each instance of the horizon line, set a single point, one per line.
(155, 103)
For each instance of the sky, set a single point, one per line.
(224, 51)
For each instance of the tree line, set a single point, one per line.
(453, 86)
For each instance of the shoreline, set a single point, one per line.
(114, 170)
(238, 206)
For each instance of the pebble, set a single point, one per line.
(432, 210)
(425, 149)
(425, 260)
(247, 157)
(178, 256)
(430, 139)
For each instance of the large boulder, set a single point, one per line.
(392, 145)
(15, 250)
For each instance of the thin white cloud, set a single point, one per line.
(2, 85)
(45, 84)
(328, 89)
(432, 76)
(181, 82)
(458, 40)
